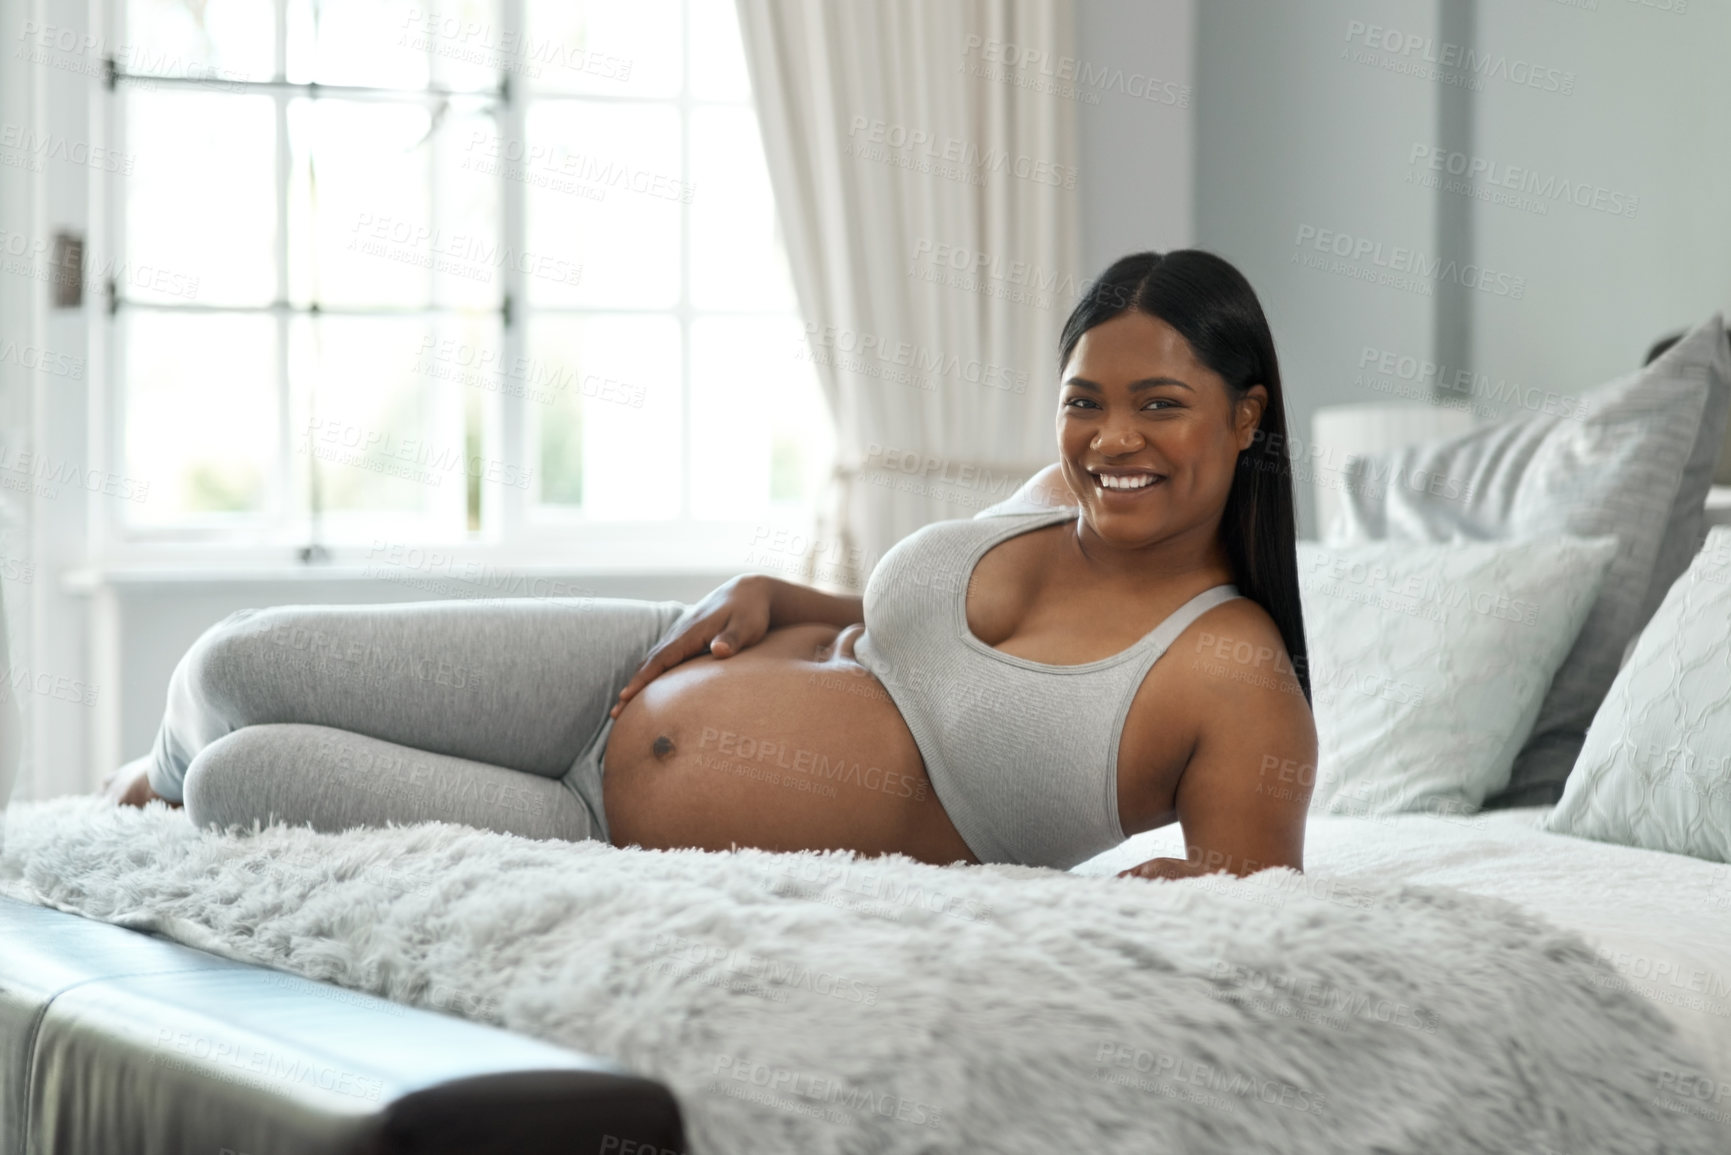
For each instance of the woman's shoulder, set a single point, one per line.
(1238, 652)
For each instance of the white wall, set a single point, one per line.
(1299, 125)
(1647, 119)
(1292, 133)
(1137, 155)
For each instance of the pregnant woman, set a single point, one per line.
(997, 695)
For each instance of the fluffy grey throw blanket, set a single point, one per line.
(822, 1003)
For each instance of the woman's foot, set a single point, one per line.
(130, 785)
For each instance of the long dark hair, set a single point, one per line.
(1214, 308)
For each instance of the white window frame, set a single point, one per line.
(515, 531)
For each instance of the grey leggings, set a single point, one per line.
(491, 713)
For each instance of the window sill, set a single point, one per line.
(458, 580)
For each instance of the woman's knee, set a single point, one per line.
(229, 656)
(223, 781)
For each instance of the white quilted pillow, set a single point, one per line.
(1655, 770)
(1428, 661)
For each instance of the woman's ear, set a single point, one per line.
(1250, 408)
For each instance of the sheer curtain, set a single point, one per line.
(923, 157)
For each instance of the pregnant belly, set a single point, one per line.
(788, 745)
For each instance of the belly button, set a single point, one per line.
(663, 746)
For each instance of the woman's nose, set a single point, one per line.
(1117, 439)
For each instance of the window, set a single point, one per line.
(499, 271)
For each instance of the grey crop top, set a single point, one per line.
(1023, 755)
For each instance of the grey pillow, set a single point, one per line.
(1687, 527)
(1615, 467)
(1656, 767)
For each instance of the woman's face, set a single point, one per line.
(1135, 404)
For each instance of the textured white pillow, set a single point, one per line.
(1655, 770)
(1428, 662)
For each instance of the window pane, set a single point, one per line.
(219, 39)
(610, 434)
(617, 47)
(388, 208)
(201, 414)
(604, 191)
(737, 258)
(718, 66)
(454, 44)
(765, 434)
(378, 437)
(200, 217)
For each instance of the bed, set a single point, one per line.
(1663, 921)
(1452, 980)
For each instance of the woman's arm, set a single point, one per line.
(735, 616)
(791, 603)
(1244, 795)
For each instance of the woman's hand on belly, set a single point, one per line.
(734, 616)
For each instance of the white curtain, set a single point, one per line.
(923, 156)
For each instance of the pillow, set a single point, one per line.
(1686, 528)
(1655, 770)
(1616, 466)
(1428, 662)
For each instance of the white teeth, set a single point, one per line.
(1141, 482)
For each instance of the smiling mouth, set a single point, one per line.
(1126, 483)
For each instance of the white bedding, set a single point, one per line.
(1662, 920)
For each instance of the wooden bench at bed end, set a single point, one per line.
(114, 1042)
